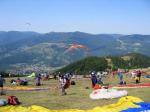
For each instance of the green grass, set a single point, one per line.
(77, 96)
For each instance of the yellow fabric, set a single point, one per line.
(122, 104)
(18, 88)
(137, 78)
(21, 88)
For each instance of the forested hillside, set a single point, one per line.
(130, 61)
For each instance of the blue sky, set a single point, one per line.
(92, 16)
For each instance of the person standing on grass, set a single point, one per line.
(113, 74)
(93, 79)
(99, 76)
(120, 75)
(139, 75)
(38, 80)
(62, 81)
(1, 84)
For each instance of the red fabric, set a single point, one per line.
(67, 84)
(13, 100)
(135, 85)
(97, 87)
(128, 85)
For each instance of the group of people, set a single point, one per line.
(19, 82)
(65, 79)
(64, 82)
(136, 74)
(96, 78)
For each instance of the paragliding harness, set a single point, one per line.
(67, 84)
(122, 83)
(105, 86)
(137, 80)
(38, 84)
(68, 78)
(13, 100)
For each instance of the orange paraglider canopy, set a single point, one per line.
(77, 46)
(73, 47)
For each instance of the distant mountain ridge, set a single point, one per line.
(35, 51)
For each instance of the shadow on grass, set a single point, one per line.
(72, 94)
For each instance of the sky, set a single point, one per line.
(91, 16)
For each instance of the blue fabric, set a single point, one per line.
(148, 76)
(94, 79)
(145, 107)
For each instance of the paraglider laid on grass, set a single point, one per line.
(107, 93)
(125, 104)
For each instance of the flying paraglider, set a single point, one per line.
(73, 47)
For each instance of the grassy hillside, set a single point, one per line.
(85, 65)
(130, 61)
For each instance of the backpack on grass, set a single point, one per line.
(73, 83)
(13, 100)
(3, 102)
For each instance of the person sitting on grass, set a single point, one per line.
(18, 81)
(13, 82)
(24, 82)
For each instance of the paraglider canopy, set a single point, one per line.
(32, 75)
